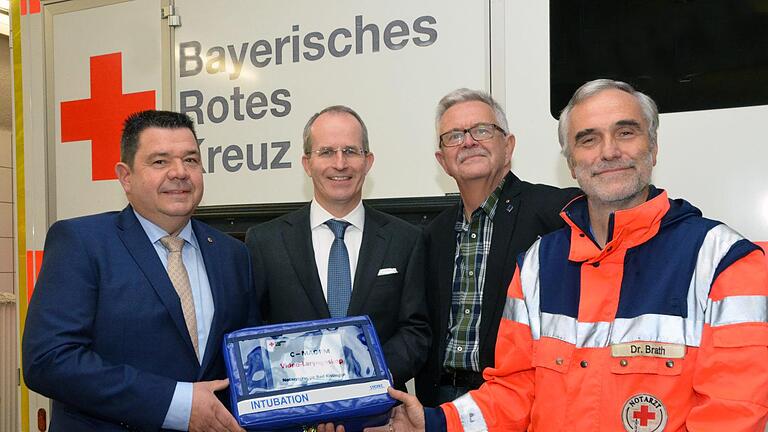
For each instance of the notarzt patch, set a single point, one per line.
(644, 413)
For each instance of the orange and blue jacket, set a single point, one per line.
(664, 328)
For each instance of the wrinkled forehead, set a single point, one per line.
(464, 115)
(605, 110)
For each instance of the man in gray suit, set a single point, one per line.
(338, 257)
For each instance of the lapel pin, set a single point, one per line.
(510, 206)
(210, 240)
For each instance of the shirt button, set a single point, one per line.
(466, 311)
(559, 361)
(471, 273)
(584, 363)
(459, 349)
(670, 364)
(473, 235)
(597, 264)
(623, 363)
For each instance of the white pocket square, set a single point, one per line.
(387, 271)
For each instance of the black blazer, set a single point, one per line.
(525, 211)
(289, 288)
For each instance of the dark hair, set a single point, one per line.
(335, 109)
(137, 122)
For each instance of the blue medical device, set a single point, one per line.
(289, 377)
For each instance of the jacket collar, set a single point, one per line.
(507, 188)
(626, 228)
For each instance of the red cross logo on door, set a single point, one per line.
(100, 118)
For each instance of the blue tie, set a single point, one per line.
(339, 279)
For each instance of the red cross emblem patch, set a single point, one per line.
(644, 413)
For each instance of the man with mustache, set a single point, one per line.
(471, 247)
(380, 270)
(125, 325)
(639, 315)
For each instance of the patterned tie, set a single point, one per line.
(180, 280)
(339, 279)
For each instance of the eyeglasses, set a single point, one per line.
(479, 132)
(330, 152)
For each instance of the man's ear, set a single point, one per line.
(509, 145)
(569, 161)
(305, 164)
(123, 172)
(369, 158)
(441, 160)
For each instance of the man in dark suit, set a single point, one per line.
(472, 246)
(372, 265)
(124, 329)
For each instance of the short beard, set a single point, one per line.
(594, 188)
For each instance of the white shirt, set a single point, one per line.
(322, 239)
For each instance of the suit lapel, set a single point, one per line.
(494, 294)
(297, 238)
(136, 241)
(213, 270)
(372, 250)
(446, 262)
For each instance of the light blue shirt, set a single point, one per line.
(180, 409)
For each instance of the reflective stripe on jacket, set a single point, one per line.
(665, 328)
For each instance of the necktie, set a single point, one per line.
(180, 280)
(339, 279)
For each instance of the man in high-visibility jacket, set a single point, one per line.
(640, 315)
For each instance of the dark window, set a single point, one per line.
(687, 55)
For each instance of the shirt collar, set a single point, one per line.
(488, 206)
(318, 215)
(155, 233)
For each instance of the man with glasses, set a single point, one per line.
(472, 246)
(338, 257)
(640, 315)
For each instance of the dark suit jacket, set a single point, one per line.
(525, 211)
(290, 290)
(105, 336)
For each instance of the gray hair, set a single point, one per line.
(466, 95)
(337, 109)
(591, 88)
